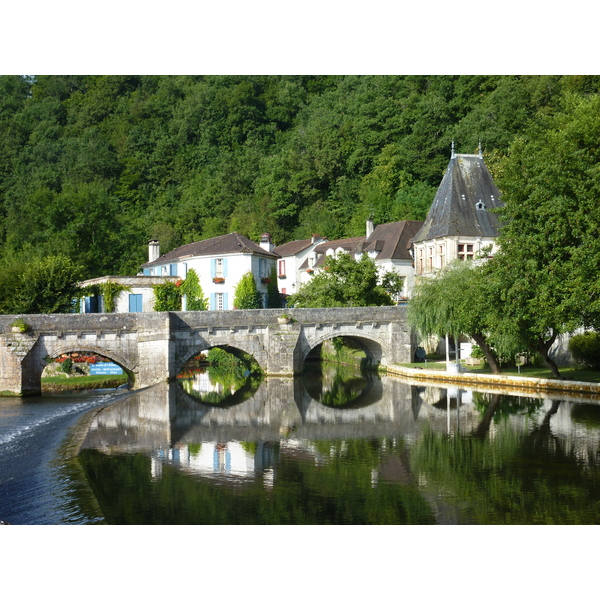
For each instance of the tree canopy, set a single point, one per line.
(343, 282)
(91, 167)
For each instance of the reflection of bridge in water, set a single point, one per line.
(165, 416)
(245, 443)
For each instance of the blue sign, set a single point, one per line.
(105, 368)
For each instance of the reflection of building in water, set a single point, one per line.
(230, 460)
(577, 425)
(201, 384)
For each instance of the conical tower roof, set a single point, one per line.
(462, 205)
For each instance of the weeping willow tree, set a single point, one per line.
(453, 302)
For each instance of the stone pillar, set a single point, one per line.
(18, 373)
(282, 340)
(155, 350)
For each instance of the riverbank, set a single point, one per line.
(438, 373)
(86, 382)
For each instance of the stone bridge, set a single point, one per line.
(153, 347)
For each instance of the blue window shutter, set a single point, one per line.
(213, 302)
(146, 271)
(213, 267)
(225, 307)
(135, 303)
(224, 267)
(174, 269)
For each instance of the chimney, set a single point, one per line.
(153, 250)
(265, 242)
(370, 226)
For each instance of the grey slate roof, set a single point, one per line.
(454, 212)
(391, 240)
(346, 244)
(291, 248)
(223, 244)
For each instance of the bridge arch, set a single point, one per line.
(70, 348)
(372, 346)
(237, 348)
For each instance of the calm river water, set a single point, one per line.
(331, 448)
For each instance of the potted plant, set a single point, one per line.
(19, 326)
(218, 279)
(283, 319)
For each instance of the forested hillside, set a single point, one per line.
(91, 167)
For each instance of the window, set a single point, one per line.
(281, 268)
(219, 267)
(262, 268)
(219, 298)
(465, 252)
(442, 255)
(135, 302)
(430, 262)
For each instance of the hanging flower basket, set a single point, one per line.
(309, 271)
(218, 279)
(281, 276)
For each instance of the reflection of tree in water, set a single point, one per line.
(513, 477)
(235, 378)
(338, 489)
(338, 385)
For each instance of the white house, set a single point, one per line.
(291, 257)
(459, 223)
(220, 263)
(387, 244)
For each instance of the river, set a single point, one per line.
(331, 448)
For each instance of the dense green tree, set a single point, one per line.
(40, 285)
(343, 282)
(246, 294)
(549, 265)
(93, 166)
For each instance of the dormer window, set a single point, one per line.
(480, 205)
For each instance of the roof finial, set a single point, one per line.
(452, 155)
(480, 152)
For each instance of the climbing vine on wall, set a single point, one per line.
(193, 290)
(167, 297)
(110, 292)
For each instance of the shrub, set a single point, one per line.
(477, 352)
(585, 350)
(167, 297)
(21, 325)
(246, 295)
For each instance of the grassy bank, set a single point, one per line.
(572, 373)
(87, 382)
